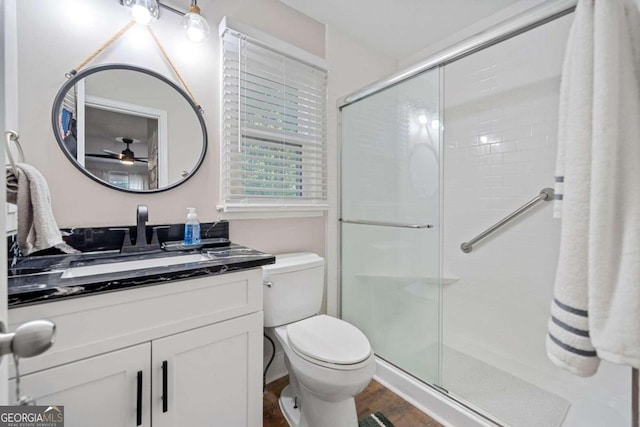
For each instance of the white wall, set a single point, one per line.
(501, 108)
(469, 31)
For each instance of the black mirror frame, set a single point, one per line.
(57, 104)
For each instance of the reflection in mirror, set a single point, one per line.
(129, 128)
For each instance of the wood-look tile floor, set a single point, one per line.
(375, 398)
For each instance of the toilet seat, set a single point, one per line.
(330, 342)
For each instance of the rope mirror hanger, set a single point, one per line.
(117, 36)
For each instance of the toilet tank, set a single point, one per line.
(293, 288)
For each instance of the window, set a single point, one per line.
(274, 125)
(119, 179)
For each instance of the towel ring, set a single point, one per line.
(12, 135)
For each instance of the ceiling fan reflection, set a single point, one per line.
(126, 157)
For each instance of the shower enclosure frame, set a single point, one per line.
(523, 22)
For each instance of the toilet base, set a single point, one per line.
(288, 406)
(318, 413)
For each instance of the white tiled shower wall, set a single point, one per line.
(501, 108)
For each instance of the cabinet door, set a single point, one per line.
(212, 376)
(101, 391)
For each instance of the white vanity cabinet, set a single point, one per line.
(210, 374)
(101, 391)
(183, 353)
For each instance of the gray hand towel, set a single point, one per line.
(12, 186)
(37, 228)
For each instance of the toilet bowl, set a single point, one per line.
(329, 360)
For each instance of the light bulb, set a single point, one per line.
(422, 118)
(195, 34)
(140, 14)
(143, 11)
(197, 27)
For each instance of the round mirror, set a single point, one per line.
(129, 128)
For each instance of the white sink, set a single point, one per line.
(115, 267)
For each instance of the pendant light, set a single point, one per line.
(195, 24)
(146, 11)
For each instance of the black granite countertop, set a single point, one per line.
(41, 279)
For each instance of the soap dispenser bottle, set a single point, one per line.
(192, 228)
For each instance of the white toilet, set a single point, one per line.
(329, 360)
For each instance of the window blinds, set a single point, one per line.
(274, 127)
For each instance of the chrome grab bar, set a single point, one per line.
(546, 194)
(386, 224)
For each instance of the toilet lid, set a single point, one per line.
(327, 339)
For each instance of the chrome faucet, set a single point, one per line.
(142, 215)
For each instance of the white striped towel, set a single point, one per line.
(596, 309)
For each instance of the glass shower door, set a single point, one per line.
(390, 210)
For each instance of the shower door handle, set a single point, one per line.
(385, 223)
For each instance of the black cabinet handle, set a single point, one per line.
(165, 386)
(139, 400)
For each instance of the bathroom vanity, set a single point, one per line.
(178, 344)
